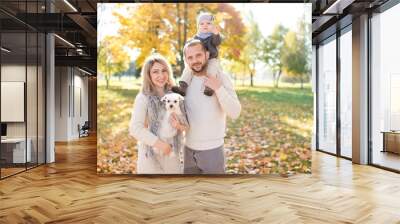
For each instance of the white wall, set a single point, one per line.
(62, 80)
(17, 73)
(14, 73)
(71, 87)
(34, 125)
(81, 100)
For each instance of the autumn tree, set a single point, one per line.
(111, 58)
(165, 27)
(131, 71)
(240, 68)
(253, 46)
(244, 66)
(272, 51)
(296, 56)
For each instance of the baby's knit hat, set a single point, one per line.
(204, 16)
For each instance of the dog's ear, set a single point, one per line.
(164, 99)
(181, 98)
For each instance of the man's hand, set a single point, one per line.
(213, 83)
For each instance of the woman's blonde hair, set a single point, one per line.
(147, 85)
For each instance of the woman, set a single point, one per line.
(146, 117)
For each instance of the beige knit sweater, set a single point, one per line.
(207, 115)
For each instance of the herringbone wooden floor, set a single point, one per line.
(70, 191)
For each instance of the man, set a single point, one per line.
(204, 147)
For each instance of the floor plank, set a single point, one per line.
(70, 191)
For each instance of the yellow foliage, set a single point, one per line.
(112, 58)
(165, 27)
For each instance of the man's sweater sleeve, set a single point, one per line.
(137, 127)
(227, 97)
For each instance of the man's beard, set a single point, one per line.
(203, 67)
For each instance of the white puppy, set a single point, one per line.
(166, 131)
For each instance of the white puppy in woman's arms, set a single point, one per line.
(173, 120)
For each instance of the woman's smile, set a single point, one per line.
(161, 80)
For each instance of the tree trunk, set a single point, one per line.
(274, 76)
(107, 81)
(180, 44)
(185, 21)
(108, 76)
(301, 80)
(279, 76)
(252, 75)
(277, 79)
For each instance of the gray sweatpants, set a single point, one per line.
(204, 161)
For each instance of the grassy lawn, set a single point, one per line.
(272, 134)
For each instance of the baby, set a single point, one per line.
(208, 34)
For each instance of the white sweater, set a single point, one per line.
(137, 127)
(207, 115)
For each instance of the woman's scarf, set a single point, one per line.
(155, 113)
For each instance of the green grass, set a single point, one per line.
(272, 134)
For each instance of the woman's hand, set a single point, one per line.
(173, 119)
(163, 146)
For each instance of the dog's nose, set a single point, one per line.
(171, 106)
